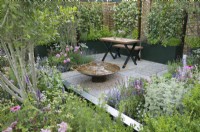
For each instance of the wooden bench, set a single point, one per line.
(137, 50)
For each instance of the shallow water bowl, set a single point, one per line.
(98, 70)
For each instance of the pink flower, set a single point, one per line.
(63, 127)
(58, 55)
(76, 48)
(15, 108)
(13, 124)
(65, 61)
(68, 60)
(65, 54)
(45, 130)
(67, 49)
(188, 67)
(9, 129)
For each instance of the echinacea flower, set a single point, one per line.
(9, 129)
(15, 108)
(58, 55)
(188, 67)
(62, 127)
(45, 130)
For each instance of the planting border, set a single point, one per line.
(112, 111)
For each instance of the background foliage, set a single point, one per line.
(126, 19)
(165, 22)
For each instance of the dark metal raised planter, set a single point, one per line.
(41, 50)
(160, 54)
(96, 46)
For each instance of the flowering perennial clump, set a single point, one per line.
(65, 55)
(184, 73)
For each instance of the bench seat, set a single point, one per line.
(137, 50)
(121, 46)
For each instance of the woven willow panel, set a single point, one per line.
(108, 12)
(146, 5)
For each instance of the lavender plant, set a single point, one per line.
(129, 98)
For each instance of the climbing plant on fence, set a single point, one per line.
(193, 27)
(126, 18)
(165, 23)
(90, 19)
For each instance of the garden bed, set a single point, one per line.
(112, 111)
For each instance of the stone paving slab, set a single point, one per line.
(143, 69)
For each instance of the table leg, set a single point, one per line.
(109, 48)
(130, 52)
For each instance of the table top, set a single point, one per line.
(119, 40)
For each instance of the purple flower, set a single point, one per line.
(38, 94)
(138, 84)
(184, 73)
(27, 79)
(62, 127)
(58, 55)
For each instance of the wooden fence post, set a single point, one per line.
(139, 17)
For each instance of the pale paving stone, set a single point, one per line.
(143, 69)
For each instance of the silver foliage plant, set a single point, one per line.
(164, 96)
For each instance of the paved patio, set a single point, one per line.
(143, 69)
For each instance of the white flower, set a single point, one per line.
(45, 130)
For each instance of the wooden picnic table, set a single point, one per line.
(128, 44)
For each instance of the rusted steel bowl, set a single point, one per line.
(98, 70)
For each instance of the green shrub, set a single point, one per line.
(192, 101)
(172, 66)
(175, 123)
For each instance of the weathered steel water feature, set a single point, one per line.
(98, 70)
